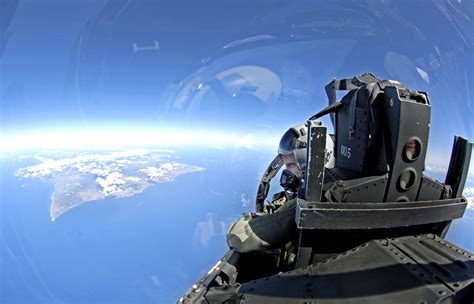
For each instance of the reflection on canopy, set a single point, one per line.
(231, 87)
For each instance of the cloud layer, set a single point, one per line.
(88, 177)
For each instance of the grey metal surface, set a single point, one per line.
(198, 291)
(406, 119)
(430, 189)
(316, 215)
(314, 173)
(364, 189)
(414, 269)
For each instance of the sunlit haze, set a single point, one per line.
(117, 138)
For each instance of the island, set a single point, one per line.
(87, 177)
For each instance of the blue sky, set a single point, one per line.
(82, 73)
(240, 65)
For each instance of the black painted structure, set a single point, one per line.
(369, 230)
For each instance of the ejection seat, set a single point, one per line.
(369, 230)
(379, 190)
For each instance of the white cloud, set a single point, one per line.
(111, 184)
(118, 174)
(205, 230)
(132, 179)
(432, 168)
(436, 169)
(155, 281)
(208, 229)
(87, 163)
(469, 194)
(470, 203)
(244, 200)
(167, 166)
(100, 172)
(108, 169)
(154, 172)
(130, 153)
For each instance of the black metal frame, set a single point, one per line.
(318, 215)
(428, 206)
(459, 165)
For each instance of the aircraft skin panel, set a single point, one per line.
(411, 269)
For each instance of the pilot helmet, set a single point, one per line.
(292, 149)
